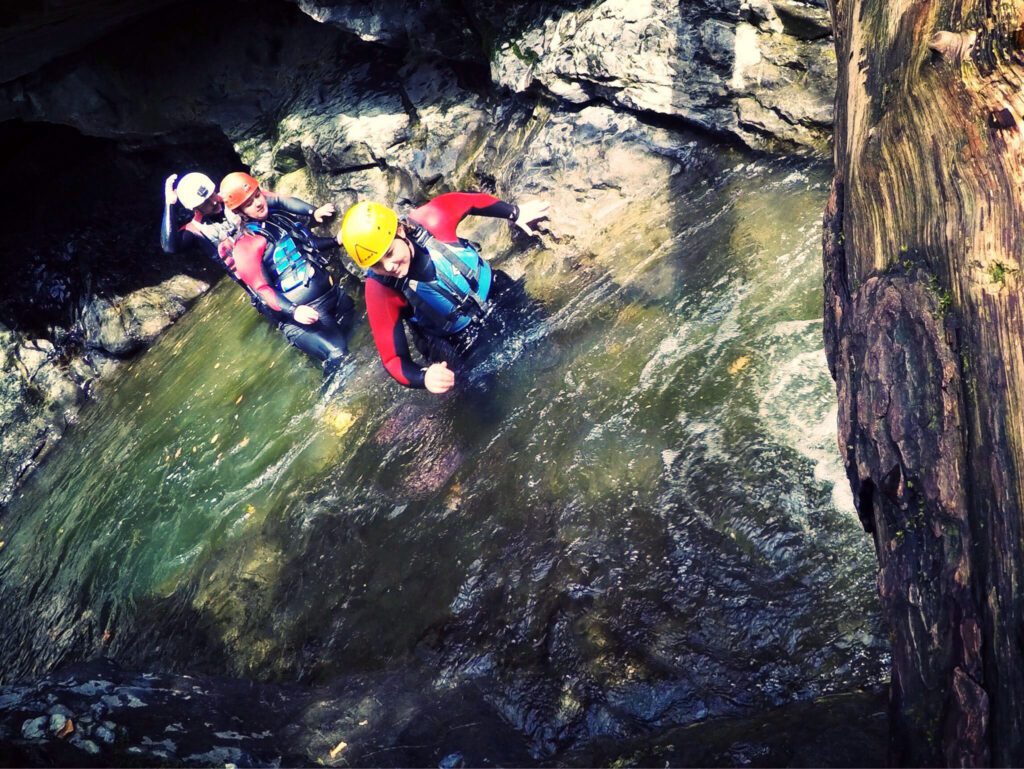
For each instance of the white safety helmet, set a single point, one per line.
(194, 189)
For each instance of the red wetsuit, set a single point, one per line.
(247, 256)
(248, 266)
(386, 307)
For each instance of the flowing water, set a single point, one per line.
(632, 516)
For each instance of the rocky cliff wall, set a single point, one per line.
(757, 71)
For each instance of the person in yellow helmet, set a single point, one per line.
(421, 274)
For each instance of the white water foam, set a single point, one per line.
(797, 404)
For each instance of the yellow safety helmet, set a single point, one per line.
(367, 232)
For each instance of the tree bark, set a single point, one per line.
(925, 338)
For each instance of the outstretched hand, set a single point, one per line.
(325, 211)
(530, 213)
(170, 196)
(438, 378)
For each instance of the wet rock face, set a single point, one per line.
(762, 72)
(33, 34)
(41, 391)
(911, 493)
(120, 326)
(731, 68)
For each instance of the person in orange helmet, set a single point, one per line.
(282, 261)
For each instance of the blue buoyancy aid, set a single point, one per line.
(290, 265)
(290, 255)
(456, 296)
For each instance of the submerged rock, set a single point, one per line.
(393, 719)
(58, 722)
(34, 728)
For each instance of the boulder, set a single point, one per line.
(674, 61)
(120, 326)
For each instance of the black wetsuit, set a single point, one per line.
(260, 264)
(202, 232)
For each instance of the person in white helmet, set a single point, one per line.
(211, 229)
(209, 224)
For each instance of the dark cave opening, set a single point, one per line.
(83, 218)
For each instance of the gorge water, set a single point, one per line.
(631, 516)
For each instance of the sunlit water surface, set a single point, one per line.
(633, 516)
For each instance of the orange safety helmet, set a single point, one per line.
(236, 188)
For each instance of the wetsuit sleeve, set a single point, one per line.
(176, 239)
(248, 254)
(441, 216)
(287, 203)
(170, 236)
(384, 308)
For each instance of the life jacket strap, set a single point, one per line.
(420, 235)
(470, 301)
(280, 224)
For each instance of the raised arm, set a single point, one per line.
(441, 216)
(170, 235)
(299, 207)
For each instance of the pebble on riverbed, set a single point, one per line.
(58, 722)
(33, 728)
(452, 761)
(87, 745)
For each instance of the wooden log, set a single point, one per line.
(925, 337)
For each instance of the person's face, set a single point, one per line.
(255, 207)
(397, 259)
(212, 206)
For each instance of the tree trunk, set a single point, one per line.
(923, 329)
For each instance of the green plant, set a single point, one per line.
(945, 298)
(998, 271)
(526, 55)
(945, 301)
